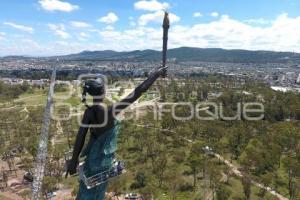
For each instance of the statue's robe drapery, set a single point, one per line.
(100, 153)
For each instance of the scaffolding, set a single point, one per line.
(41, 157)
(117, 169)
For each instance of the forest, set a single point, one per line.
(177, 159)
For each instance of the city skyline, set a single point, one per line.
(57, 27)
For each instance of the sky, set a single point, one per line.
(60, 27)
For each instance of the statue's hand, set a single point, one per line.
(72, 167)
(162, 71)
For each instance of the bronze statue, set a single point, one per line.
(102, 145)
(100, 150)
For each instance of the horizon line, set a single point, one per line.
(226, 49)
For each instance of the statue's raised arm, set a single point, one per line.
(143, 87)
(139, 90)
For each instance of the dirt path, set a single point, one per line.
(9, 196)
(235, 170)
(64, 194)
(29, 97)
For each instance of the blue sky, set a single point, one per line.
(54, 27)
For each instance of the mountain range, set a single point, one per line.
(184, 54)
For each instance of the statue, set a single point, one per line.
(100, 150)
(102, 144)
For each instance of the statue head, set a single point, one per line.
(95, 88)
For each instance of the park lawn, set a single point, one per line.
(38, 97)
(35, 101)
(33, 92)
(74, 101)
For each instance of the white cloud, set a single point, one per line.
(197, 14)
(109, 27)
(30, 42)
(85, 35)
(62, 34)
(59, 30)
(282, 34)
(130, 39)
(82, 36)
(57, 5)
(214, 14)
(20, 27)
(26, 47)
(110, 18)
(156, 17)
(110, 34)
(260, 21)
(79, 24)
(132, 23)
(151, 5)
(2, 34)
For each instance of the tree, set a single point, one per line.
(237, 139)
(118, 185)
(121, 91)
(266, 181)
(285, 134)
(195, 161)
(149, 192)
(254, 156)
(49, 184)
(227, 173)
(160, 166)
(292, 168)
(246, 182)
(174, 180)
(140, 180)
(214, 176)
(222, 192)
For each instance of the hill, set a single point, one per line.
(190, 54)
